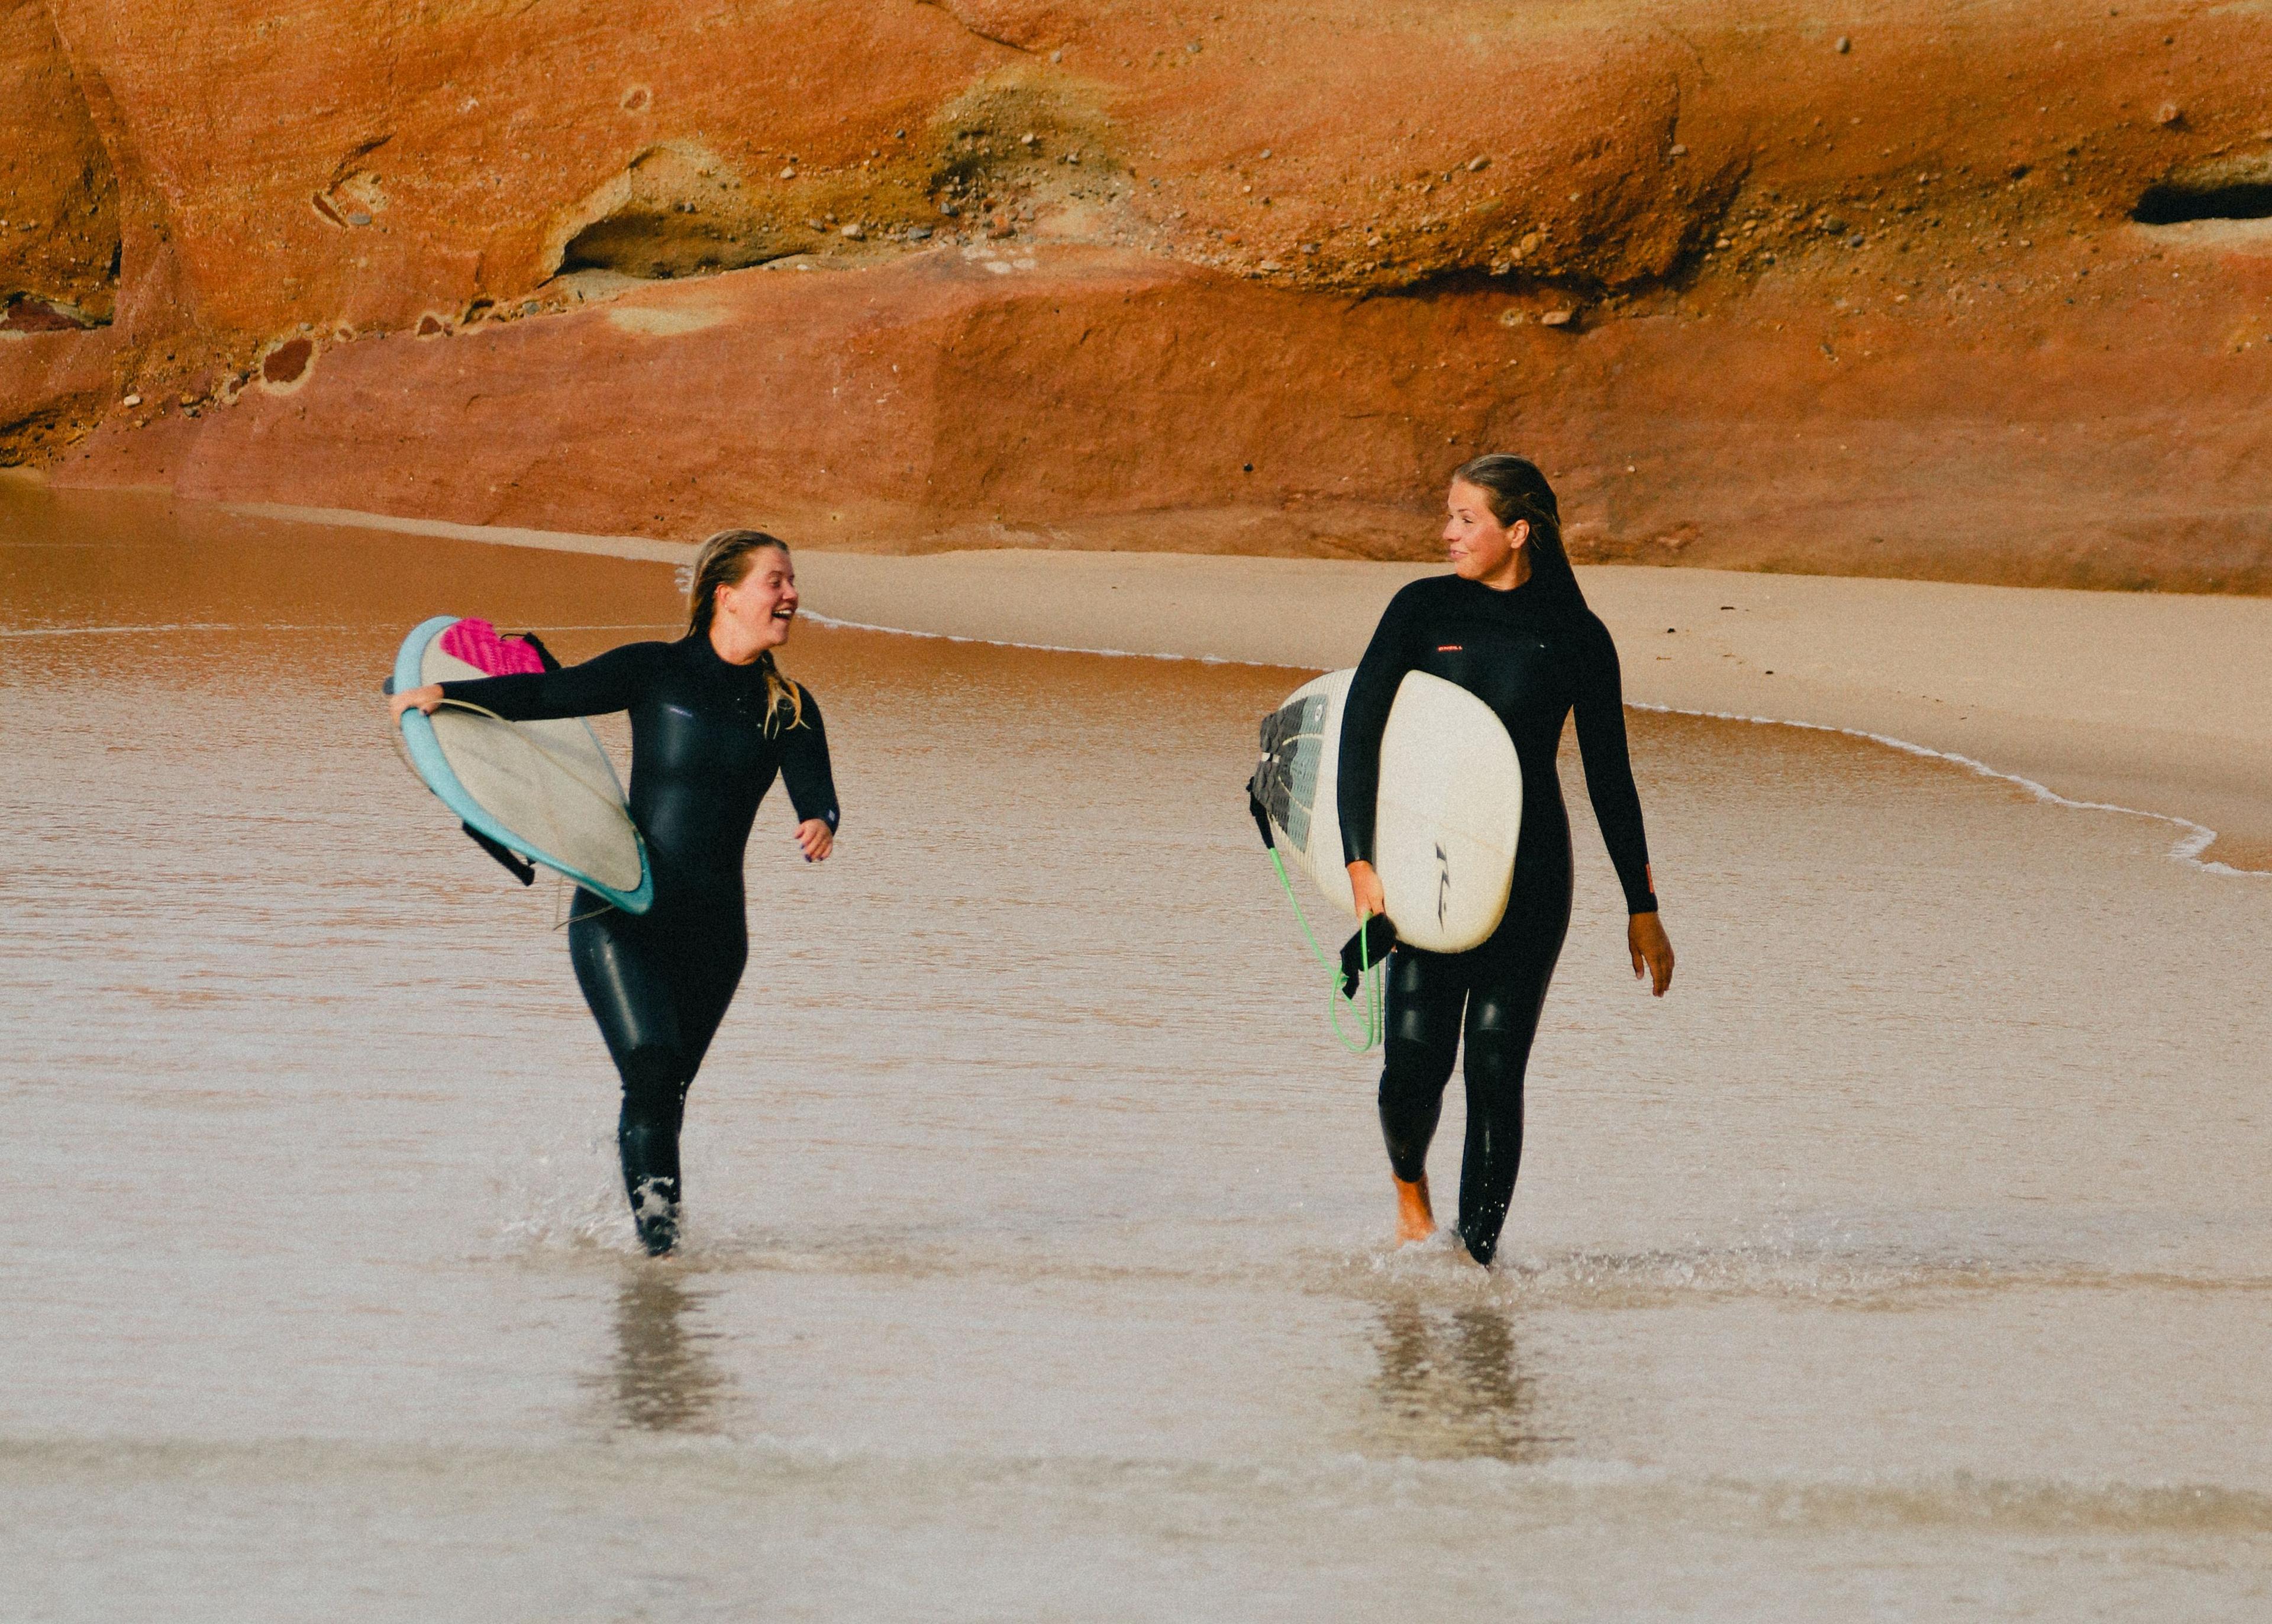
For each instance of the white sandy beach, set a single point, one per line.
(2156, 703)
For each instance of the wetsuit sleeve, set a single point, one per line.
(612, 682)
(1364, 717)
(804, 766)
(1601, 713)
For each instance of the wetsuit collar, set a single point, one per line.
(1500, 593)
(710, 656)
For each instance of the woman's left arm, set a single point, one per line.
(1600, 706)
(811, 785)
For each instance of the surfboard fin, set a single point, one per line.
(525, 872)
(1261, 817)
(1368, 947)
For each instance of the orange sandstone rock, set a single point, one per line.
(1759, 290)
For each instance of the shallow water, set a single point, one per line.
(1909, 1260)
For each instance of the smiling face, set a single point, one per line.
(760, 607)
(1481, 548)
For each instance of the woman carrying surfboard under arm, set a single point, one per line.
(713, 723)
(1510, 626)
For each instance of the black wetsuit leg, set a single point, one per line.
(1503, 1003)
(658, 987)
(1499, 989)
(1425, 997)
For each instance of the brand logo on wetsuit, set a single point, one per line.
(1443, 883)
(1451, 648)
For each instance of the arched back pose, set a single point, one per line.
(1510, 626)
(713, 722)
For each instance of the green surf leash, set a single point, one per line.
(1368, 977)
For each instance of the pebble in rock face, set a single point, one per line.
(1844, 45)
(855, 231)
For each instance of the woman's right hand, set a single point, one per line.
(1365, 885)
(427, 698)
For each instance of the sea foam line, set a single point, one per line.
(1047, 648)
(184, 626)
(2195, 838)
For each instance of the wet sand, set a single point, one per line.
(2156, 702)
(1906, 1261)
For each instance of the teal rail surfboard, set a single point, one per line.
(545, 790)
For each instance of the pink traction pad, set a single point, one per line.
(476, 643)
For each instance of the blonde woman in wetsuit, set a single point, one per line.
(1510, 626)
(713, 723)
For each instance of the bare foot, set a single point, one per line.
(1415, 1220)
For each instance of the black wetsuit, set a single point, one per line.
(1533, 661)
(704, 752)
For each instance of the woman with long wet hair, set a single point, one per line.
(713, 721)
(1510, 626)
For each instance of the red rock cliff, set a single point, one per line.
(1981, 293)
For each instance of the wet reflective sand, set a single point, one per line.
(1909, 1261)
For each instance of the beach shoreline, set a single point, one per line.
(2129, 701)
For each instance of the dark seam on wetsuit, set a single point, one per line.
(1533, 664)
(658, 984)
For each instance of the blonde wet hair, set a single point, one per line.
(725, 560)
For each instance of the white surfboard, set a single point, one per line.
(1449, 809)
